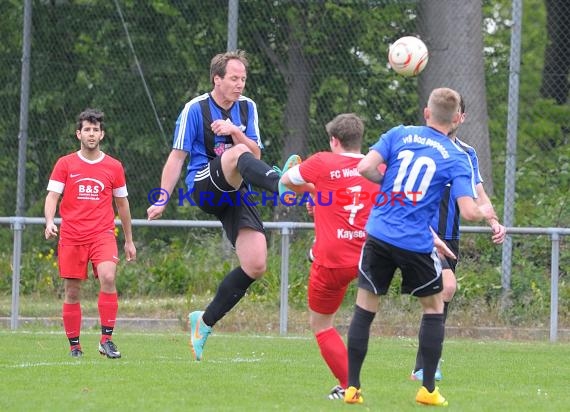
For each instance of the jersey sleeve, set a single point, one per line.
(475, 164)
(463, 182)
(311, 168)
(252, 130)
(384, 145)
(187, 126)
(120, 182)
(58, 176)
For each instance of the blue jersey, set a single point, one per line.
(446, 220)
(420, 162)
(194, 135)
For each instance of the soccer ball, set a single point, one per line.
(408, 56)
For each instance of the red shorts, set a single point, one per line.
(73, 259)
(327, 287)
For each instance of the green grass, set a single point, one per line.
(260, 373)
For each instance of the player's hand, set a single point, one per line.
(222, 127)
(155, 212)
(130, 251)
(442, 249)
(51, 231)
(499, 233)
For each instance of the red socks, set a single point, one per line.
(333, 351)
(108, 307)
(71, 315)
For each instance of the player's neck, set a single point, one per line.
(91, 154)
(442, 128)
(220, 101)
(341, 150)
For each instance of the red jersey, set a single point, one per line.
(343, 201)
(88, 188)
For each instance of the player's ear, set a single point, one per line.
(457, 118)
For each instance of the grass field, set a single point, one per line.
(260, 373)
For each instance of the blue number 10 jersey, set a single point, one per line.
(420, 162)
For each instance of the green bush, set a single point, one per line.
(192, 263)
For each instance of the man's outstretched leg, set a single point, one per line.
(251, 249)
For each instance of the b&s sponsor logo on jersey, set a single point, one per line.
(89, 189)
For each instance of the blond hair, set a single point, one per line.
(444, 104)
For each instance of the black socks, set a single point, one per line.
(229, 293)
(257, 172)
(358, 336)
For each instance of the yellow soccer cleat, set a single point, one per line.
(430, 398)
(353, 395)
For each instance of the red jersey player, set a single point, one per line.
(343, 200)
(89, 180)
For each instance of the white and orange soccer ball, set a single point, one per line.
(408, 56)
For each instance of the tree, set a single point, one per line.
(454, 36)
(557, 54)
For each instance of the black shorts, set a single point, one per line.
(217, 197)
(447, 262)
(421, 272)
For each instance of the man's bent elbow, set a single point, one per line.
(472, 215)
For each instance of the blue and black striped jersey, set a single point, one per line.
(194, 134)
(446, 220)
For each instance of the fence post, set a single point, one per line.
(233, 11)
(554, 259)
(17, 227)
(511, 150)
(284, 284)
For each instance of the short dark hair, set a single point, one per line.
(348, 128)
(220, 61)
(91, 116)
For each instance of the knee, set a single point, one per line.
(315, 326)
(72, 294)
(448, 293)
(107, 281)
(236, 151)
(449, 289)
(255, 269)
(241, 148)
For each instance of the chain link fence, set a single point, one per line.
(140, 61)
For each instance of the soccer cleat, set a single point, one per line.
(76, 352)
(353, 395)
(199, 332)
(419, 375)
(336, 393)
(293, 160)
(109, 349)
(430, 398)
